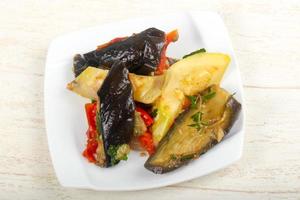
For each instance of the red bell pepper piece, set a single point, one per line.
(145, 116)
(92, 134)
(146, 142)
(170, 37)
(91, 111)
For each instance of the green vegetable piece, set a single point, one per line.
(208, 96)
(154, 113)
(197, 117)
(112, 152)
(193, 100)
(195, 52)
(125, 157)
(197, 126)
(187, 157)
(118, 152)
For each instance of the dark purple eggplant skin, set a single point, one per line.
(141, 53)
(80, 64)
(117, 108)
(232, 104)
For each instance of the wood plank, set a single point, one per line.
(266, 39)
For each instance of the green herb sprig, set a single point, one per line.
(112, 152)
(208, 96)
(193, 100)
(197, 119)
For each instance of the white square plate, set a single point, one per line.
(65, 117)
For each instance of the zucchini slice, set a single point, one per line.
(186, 77)
(196, 130)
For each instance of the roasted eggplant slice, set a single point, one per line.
(80, 64)
(196, 130)
(116, 114)
(141, 53)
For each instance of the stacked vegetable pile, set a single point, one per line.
(143, 100)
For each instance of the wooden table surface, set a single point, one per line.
(266, 38)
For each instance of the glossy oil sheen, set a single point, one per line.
(116, 108)
(141, 53)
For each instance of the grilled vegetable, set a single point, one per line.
(146, 142)
(186, 77)
(92, 133)
(195, 52)
(164, 61)
(141, 53)
(139, 125)
(146, 89)
(116, 114)
(80, 64)
(195, 131)
(145, 116)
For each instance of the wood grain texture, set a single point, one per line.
(266, 38)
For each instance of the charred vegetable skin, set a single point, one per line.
(116, 115)
(141, 53)
(185, 141)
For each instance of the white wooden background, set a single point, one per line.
(266, 38)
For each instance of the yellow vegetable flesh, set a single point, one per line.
(188, 76)
(146, 89)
